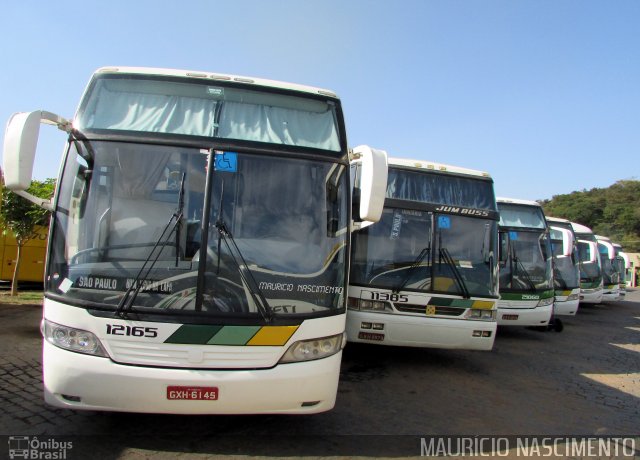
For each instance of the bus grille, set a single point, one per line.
(442, 311)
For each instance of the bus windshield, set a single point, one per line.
(525, 260)
(132, 215)
(403, 251)
(193, 107)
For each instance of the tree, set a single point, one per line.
(21, 217)
(612, 211)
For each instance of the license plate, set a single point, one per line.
(371, 336)
(192, 393)
(510, 317)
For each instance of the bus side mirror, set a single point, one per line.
(19, 150)
(20, 141)
(373, 183)
(505, 248)
(567, 240)
(593, 250)
(487, 252)
(611, 251)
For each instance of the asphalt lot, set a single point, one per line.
(584, 380)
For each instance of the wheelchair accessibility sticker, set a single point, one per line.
(226, 161)
(444, 222)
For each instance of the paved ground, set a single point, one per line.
(582, 381)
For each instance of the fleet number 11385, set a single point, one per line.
(390, 297)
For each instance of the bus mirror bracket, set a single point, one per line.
(373, 183)
(19, 150)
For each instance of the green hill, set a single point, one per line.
(612, 211)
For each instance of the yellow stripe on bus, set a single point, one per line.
(482, 304)
(273, 335)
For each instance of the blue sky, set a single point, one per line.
(544, 95)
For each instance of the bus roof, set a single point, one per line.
(579, 228)
(603, 238)
(215, 77)
(435, 167)
(500, 199)
(557, 219)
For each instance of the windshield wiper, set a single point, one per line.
(243, 269)
(444, 254)
(224, 234)
(520, 268)
(416, 263)
(126, 303)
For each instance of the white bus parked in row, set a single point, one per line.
(526, 274)
(426, 274)
(624, 264)
(566, 267)
(590, 265)
(610, 275)
(199, 243)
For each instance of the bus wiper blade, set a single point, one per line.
(416, 263)
(444, 253)
(245, 273)
(126, 303)
(179, 216)
(521, 268)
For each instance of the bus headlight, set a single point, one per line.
(545, 302)
(72, 339)
(309, 350)
(573, 297)
(481, 314)
(363, 304)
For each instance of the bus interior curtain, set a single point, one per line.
(440, 189)
(151, 113)
(278, 125)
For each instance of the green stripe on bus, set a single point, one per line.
(234, 335)
(193, 334)
(532, 296)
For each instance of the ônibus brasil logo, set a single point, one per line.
(29, 447)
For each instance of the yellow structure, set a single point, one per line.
(32, 258)
(633, 273)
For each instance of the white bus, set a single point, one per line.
(526, 274)
(624, 263)
(566, 267)
(425, 275)
(590, 265)
(199, 243)
(610, 274)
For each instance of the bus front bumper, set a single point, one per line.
(537, 316)
(78, 381)
(591, 296)
(566, 307)
(416, 331)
